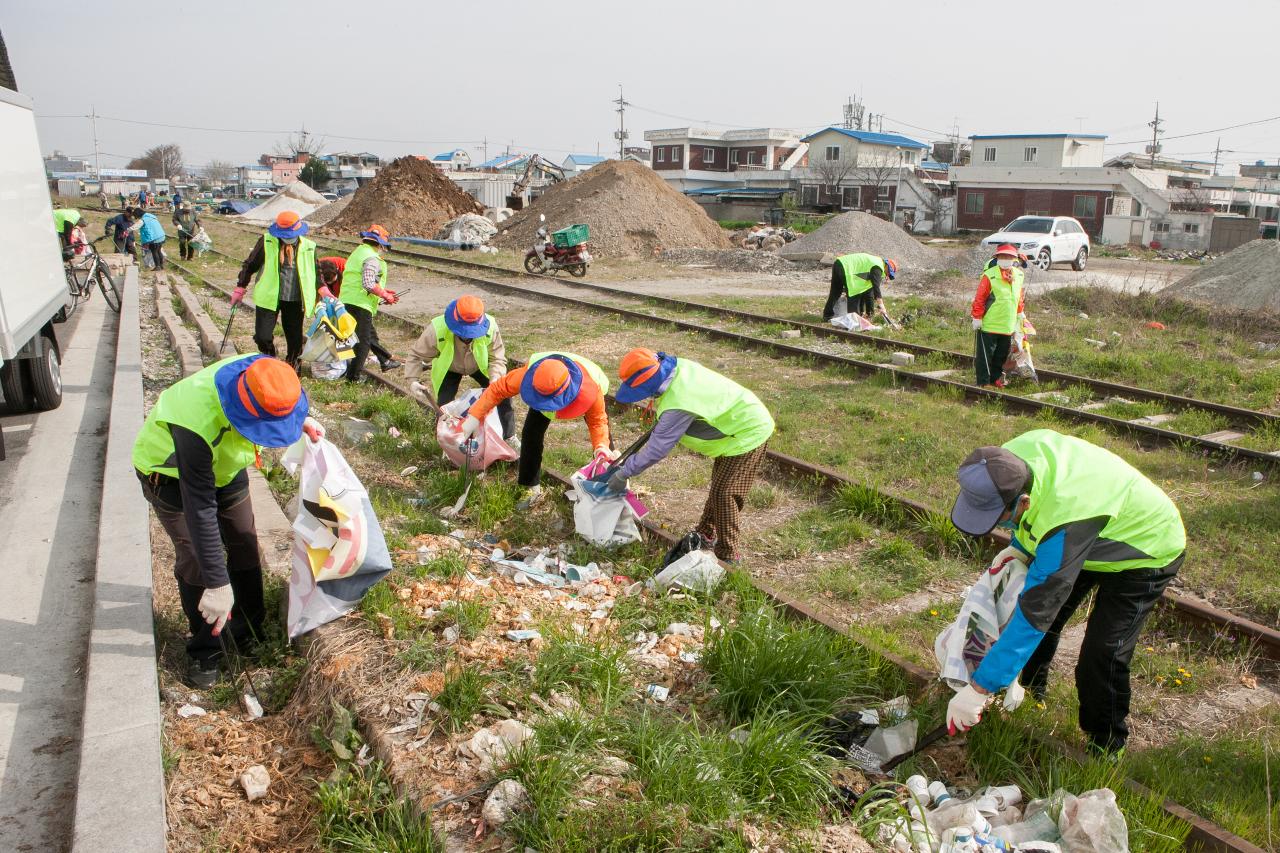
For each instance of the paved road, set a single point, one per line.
(50, 490)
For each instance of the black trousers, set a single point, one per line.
(532, 436)
(368, 340)
(864, 303)
(991, 352)
(1123, 602)
(449, 392)
(157, 253)
(185, 250)
(264, 330)
(244, 564)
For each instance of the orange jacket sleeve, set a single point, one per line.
(1022, 301)
(598, 423)
(979, 309)
(500, 389)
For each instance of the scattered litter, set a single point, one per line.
(1083, 316)
(657, 692)
(469, 229)
(902, 359)
(524, 573)
(612, 765)
(490, 745)
(581, 574)
(255, 781)
(789, 333)
(1095, 342)
(409, 472)
(1156, 324)
(451, 634)
(698, 571)
(188, 711)
(252, 707)
(854, 323)
(506, 798)
(1257, 476)
(523, 635)
(893, 741)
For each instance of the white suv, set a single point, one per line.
(1045, 240)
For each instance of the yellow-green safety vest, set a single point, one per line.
(353, 292)
(857, 271)
(193, 404)
(1002, 313)
(266, 293)
(593, 370)
(63, 215)
(445, 343)
(732, 409)
(1073, 480)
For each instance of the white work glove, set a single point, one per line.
(312, 429)
(418, 390)
(608, 453)
(470, 426)
(964, 711)
(977, 324)
(215, 606)
(1013, 696)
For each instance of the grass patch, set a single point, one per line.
(594, 670)
(360, 812)
(465, 694)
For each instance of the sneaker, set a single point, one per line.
(202, 674)
(391, 364)
(513, 442)
(531, 498)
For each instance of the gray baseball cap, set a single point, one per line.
(991, 478)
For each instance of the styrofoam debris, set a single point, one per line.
(255, 781)
(187, 711)
(490, 745)
(506, 798)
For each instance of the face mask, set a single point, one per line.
(1004, 263)
(289, 240)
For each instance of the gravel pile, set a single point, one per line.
(409, 198)
(628, 208)
(856, 231)
(328, 213)
(1247, 277)
(735, 260)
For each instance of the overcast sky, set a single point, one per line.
(423, 77)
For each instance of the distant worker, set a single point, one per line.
(151, 235)
(858, 277)
(142, 199)
(124, 200)
(102, 199)
(555, 385)
(284, 261)
(708, 413)
(464, 341)
(117, 228)
(997, 310)
(364, 288)
(191, 456)
(177, 199)
(65, 220)
(187, 221)
(1087, 520)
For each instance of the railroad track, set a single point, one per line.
(1216, 444)
(1266, 639)
(1204, 834)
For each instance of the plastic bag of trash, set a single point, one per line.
(1093, 823)
(491, 448)
(609, 520)
(338, 547)
(987, 609)
(854, 323)
(1019, 362)
(201, 241)
(699, 571)
(332, 334)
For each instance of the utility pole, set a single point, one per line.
(1155, 135)
(485, 148)
(621, 133)
(97, 161)
(1216, 152)
(893, 212)
(955, 141)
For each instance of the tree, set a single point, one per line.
(314, 174)
(218, 173)
(833, 172)
(298, 144)
(877, 174)
(162, 161)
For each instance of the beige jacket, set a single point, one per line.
(426, 348)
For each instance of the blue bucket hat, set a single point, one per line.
(549, 399)
(282, 232)
(646, 383)
(378, 234)
(261, 401)
(462, 327)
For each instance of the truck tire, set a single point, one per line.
(17, 391)
(45, 374)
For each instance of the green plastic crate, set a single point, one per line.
(571, 236)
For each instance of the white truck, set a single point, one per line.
(33, 284)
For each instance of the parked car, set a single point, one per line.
(344, 191)
(1045, 240)
(330, 196)
(261, 192)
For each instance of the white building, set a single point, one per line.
(456, 160)
(576, 164)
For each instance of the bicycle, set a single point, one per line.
(94, 270)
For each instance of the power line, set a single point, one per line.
(1202, 132)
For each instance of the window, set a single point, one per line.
(850, 198)
(882, 192)
(708, 155)
(751, 158)
(883, 206)
(1160, 228)
(1029, 154)
(833, 152)
(733, 157)
(988, 155)
(660, 153)
(973, 202)
(1191, 228)
(1037, 213)
(997, 210)
(809, 195)
(1085, 207)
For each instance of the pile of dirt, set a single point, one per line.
(328, 213)
(297, 196)
(409, 197)
(856, 231)
(629, 209)
(1247, 277)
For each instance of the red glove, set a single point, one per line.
(387, 296)
(237, 295)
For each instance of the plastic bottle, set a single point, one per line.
(918, 788)
(938, 793)
(424, 555)
(1038, 826)
(958, 840)
(990, 844)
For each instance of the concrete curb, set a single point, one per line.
(121, 792)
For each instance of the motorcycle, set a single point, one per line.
(552, 258)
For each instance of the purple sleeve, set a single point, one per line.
(671, 425)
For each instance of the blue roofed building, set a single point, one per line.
(576, 164)
(452, 161)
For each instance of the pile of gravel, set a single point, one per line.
(1247, 277)
(735, 260)
(856, 231)
(974, 261)
(328, 213)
